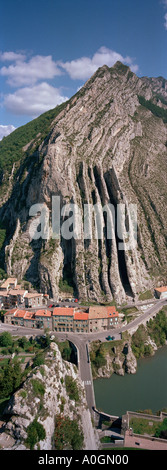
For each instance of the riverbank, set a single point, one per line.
(144, 390)
(120, 357)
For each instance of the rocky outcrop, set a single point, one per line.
(103, 148)
(130, 362)
(44, 396)
(119, 360)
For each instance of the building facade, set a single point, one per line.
(35, 299)
(161, 292)
(64, 319)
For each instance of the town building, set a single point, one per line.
(17, 318)
(35, 299)
(16, 296)
(43, 319)
(161, 292)
(5, 300)
(9, 315)
(63, 319)
(102, 318)
(10, 283)
(81, 322)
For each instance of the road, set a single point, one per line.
(82, 340)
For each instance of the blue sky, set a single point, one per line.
(49, 48)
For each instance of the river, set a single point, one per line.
(147, 389)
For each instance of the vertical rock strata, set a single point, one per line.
(104, 148)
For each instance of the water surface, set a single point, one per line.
(147, 389)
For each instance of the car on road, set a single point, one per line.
(110, 338)
(76, 300)
(50, 306)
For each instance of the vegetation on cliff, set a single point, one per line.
(110, 357)
(156, 330)
(45, 400)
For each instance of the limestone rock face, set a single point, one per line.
(130, 361)
(27, 405)
(103, 148)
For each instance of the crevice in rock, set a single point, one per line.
(121, 253)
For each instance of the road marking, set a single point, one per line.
(87, 382)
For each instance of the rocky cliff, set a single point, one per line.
(45, 396)
(108, 144)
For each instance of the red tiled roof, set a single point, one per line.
(161, 289)
(63, 311)
(43, 313)
(112, 312)
(20, 313)
(81, 316)
(11, 312)
(28, 315)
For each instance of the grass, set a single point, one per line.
(105, 439)
(11, 147)
(146, 295)
(3, 403)
(142, 426)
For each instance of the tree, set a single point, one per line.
(35, 433)
(67, 434)
(6, 339)
(71, 388)
(22, 342)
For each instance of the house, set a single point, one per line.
(10, 283)
(102, 318)
(113, 317)
(35, 299)
(81, 322)
(161, 292)
(16, 296)
(8, 315)
(5, 299)
(29, 320)
(18, 317)
(43, 319)
(63, 318)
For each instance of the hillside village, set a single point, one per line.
(30, 309)
(17, 301)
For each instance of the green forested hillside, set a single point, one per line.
(11, 147)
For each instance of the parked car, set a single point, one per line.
(110, 338)
(76, 300)
(50, 306)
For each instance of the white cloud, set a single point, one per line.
(6, 130)
(28, 73)
(165, 16)
(30, 76)
(33, 100)
(11, 56)
(84, 67)
(165, 24)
